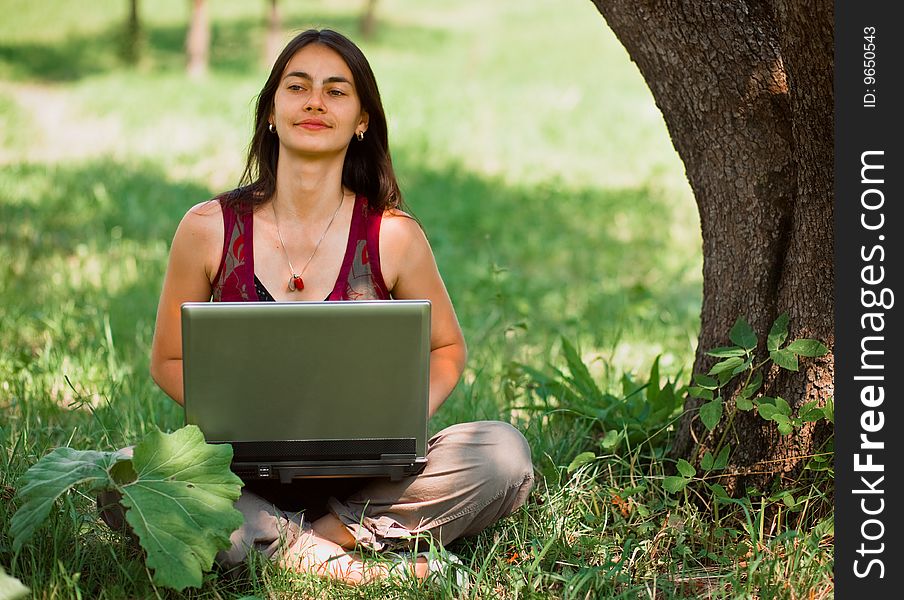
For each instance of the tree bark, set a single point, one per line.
(745, 89)
(197, 42)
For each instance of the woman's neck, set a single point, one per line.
(306, 188)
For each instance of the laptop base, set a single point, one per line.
(286, 472)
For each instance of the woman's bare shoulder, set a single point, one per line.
(400, 228)
(204, 215)
(202, 223)
(199, 236)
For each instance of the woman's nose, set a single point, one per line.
(314, 103)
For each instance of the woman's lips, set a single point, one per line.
(313, 124)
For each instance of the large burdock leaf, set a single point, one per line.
(181, 504)
(50, 477)
(178, 493)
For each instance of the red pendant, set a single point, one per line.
(296, 283)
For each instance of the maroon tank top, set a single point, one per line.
(360, 277)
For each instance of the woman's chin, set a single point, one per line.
(313, 148)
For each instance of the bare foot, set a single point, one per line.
(312, 553)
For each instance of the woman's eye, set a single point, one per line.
(295, 87)
(337, 93)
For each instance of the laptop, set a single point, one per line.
(310, 389)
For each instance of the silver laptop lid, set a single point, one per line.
(276, 371)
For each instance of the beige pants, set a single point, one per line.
(476, 474)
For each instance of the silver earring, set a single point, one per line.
(360, 136)
(272, 128)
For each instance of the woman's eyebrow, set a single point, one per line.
(332, 79)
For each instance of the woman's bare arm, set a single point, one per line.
(193, 260)
(411, 273)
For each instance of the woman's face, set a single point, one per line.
(316, 109)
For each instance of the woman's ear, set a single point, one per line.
(364, 120)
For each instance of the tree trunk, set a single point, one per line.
(131, 49)
(369, 20)
(274, 42)
(197, 43)
(746, 92)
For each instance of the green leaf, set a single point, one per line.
(711, 413)
(782, 406)
(778, 334)
(722, 460)
(726, 365)
(829, 410)
(724, 377)
(810, 412)
(767, 411)
(52, 476)
(785, 359)
(653, 382)
(699, 392)
(181, 504)
(686, 468)
(675, 484)
(718, 491)
(706, 463)
(581, 459)
(751, 388)
(742, 334)
(11, 588)
(665, 402)
(744, 366)
(633, 490)
(784, 424)
(781, 419)
(744, 403)
(579, 373)
(628, 385)
(726, 351)
(706, 382)
(812, 416)
(825, 527)
(610, 440)
(809, 348)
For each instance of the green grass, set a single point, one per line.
(530, 149)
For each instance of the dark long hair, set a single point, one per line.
(368, 166)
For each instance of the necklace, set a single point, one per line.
(296, 283)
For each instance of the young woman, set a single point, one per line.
(319, 217)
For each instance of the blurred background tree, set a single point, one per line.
(274, 41)
(133, 39)
(197, 42)
(368, 25)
